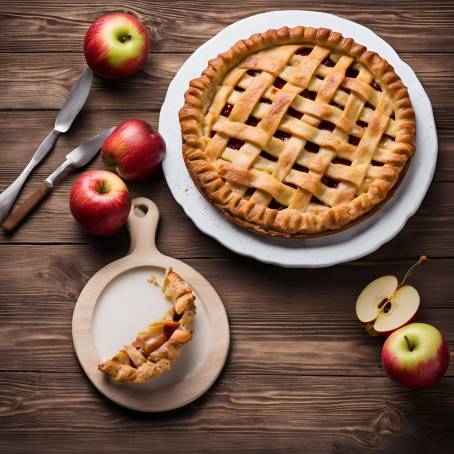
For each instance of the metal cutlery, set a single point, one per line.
(77, 158)
(73, 104)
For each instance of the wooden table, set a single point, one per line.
(302, 375)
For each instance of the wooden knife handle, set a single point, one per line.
(19, 214)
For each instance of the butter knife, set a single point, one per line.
(77, 158)
(73, 104)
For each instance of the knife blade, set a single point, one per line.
(74, 102)
(80, 156)
(72, 106)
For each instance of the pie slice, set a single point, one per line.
(297, 132)
(158, 346)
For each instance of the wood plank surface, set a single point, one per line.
(296, 409)
(430, 229)
(181, 26)
(18, 147)
(288, 318)
(40, 81)
(302, 375)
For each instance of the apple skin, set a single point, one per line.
(133, 149)
(369, 327)
(404, 303)
(422, 366)
(116, 46)
(100, 202)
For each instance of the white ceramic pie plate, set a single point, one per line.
(355, 242)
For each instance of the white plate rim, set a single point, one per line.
(325, 255)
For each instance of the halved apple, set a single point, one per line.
(386, 305)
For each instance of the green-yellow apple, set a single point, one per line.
(133, 149)
(415, 355)
(116, 45)
(100, 202)
(387, 304)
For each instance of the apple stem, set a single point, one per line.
(102, 187)
(410, 347)
(421, 260)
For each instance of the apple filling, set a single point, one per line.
(155, 336)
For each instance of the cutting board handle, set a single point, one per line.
(142, 224)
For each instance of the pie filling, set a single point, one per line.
(157, 334)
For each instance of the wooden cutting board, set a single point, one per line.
(118, 301)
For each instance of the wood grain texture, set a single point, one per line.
(430, 228)
(302, 375)
(429, 231)
(187, 24)
(18, 147)
(376, 437)
(287, 317)
(301, 412)
(42, 81)
(18, 215)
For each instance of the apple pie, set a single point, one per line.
(158, 346)
(297, 132)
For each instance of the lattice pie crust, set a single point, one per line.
(297, 132)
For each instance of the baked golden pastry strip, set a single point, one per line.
(158, 346)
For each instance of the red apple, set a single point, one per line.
(133, 149)
(116, 45)
(100, 202)
(416, 355)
